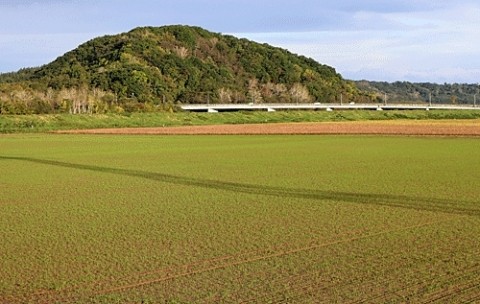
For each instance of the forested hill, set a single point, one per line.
(457, 93)
(153, 66)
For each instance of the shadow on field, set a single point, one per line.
(401, 201)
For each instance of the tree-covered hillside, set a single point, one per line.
(422, 92)
(150, 68)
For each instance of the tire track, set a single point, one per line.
(447, 206)
(172, 271)
(209, 265)
(305, 283)
(258, 258)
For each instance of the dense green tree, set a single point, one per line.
(155, 65)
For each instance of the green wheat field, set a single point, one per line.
(239, 219)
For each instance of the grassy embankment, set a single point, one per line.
(209, 219)
(45, 123)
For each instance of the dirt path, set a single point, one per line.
(395, 127)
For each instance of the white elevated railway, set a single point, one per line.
(213, 108)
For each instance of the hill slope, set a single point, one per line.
(181, 64)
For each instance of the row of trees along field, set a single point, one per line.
(402, 92)
(149, 69)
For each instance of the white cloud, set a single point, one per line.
(374, 39)
(438, 45)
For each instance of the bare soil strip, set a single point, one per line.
(395, 127)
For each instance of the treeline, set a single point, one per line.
(15, 99)
(149, 69)
(456, 93)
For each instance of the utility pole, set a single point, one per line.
(475, 97)
(385, 99)
(430, 98)
(341, 99)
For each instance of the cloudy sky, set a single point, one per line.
(390, 40)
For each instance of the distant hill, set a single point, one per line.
(422, 92)
(150, 67)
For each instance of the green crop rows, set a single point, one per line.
(251, 219)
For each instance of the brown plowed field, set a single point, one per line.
(396, 127)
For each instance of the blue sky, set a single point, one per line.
(390, 40)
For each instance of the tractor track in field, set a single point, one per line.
(173, 271)
(389, 127)
(399, 201)
(381, 295)
(306, 284)
(304, 281)
(266, 257)
(169, 273)
(464, 288)
(305, 287)
(94, 289)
